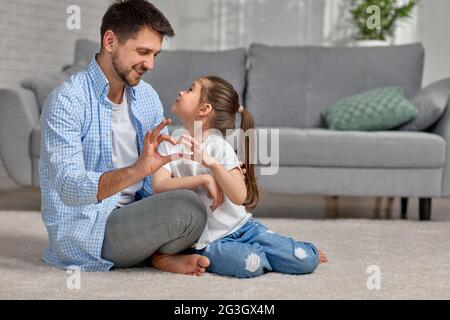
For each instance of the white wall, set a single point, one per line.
(430, 26)
(34, 38)
(226, 24)
(223, 24)
(434, 33)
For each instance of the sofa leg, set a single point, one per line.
(404, 208)
(332, 203)
(425, 209)
(377, 209)
(388, 209)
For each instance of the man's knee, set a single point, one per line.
(186, 221)
(192, 204)
(192, 211)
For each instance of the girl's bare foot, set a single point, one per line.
(322, 257)
(189, 264)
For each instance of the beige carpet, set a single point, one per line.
(413, 257)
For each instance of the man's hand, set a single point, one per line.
(150, 160)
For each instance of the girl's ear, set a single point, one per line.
(205, 109)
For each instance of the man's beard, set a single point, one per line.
(124, 74)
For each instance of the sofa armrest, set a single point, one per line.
(442, 128)
(19, 114)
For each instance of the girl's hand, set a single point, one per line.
(244, 171)
(215, 193)
(196, 151)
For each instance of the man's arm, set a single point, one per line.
(62, 152)
(115, 181)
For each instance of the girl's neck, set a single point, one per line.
(190, 128)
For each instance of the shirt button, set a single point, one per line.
(107, 134)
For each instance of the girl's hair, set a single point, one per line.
(225, 102)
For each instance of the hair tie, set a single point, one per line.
(241, 108)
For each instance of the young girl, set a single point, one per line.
(232, 243)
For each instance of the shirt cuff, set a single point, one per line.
(90, 189)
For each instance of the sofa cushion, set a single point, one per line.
(35, 145)
(377, 109)
(175, 70)
(375, 149)
(43, 85)
(85, 49)
(431, 103)
(328, 148)
(289, 86)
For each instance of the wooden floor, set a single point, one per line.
(13, 197)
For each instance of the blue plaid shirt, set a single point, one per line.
(76, 148)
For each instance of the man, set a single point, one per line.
(100, 133)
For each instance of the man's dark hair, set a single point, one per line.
(126, 17)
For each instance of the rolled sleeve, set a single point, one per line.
(61, 141)
(80, 189)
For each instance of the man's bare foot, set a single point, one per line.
(322, 257)
(189, 264)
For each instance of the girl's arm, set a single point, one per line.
(231, 182)
(162, 181)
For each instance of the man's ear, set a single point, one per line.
(205, 110)
(109, 41)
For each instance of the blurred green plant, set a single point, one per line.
(377, 19)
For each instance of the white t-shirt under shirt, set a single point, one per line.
(124, 146)
(227, 218)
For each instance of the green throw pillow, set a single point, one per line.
(378, 109)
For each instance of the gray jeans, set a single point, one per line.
(168, 222)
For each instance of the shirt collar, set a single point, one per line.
(100, 82)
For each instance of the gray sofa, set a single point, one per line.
(285, 88)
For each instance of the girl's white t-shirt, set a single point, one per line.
(227, 218)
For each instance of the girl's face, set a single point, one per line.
(187, 105)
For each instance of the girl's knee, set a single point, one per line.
(241, 265)
(253, 266)
(307, 258)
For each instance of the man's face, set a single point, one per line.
(133, 58)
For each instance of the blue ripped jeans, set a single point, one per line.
(254, 249)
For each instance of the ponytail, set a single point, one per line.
(247, 123)
(225, 101)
